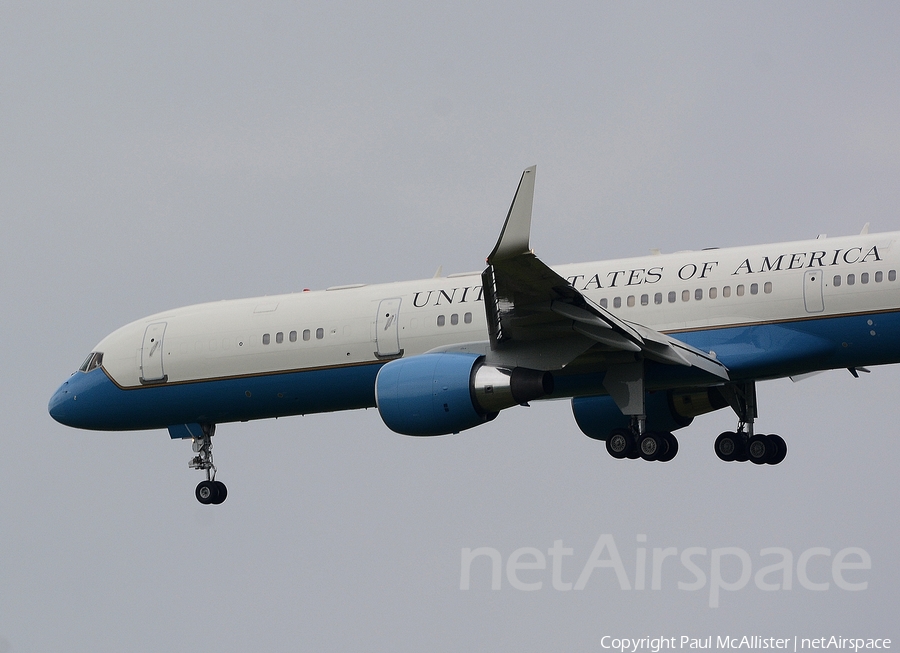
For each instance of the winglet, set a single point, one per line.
(514, 239)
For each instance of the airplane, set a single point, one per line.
(640, 346)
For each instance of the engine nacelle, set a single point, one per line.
(438, 394)
(667, 410)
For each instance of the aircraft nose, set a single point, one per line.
(59, 404)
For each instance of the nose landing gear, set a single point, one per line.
(209, 491)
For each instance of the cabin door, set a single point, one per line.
(152, 354)
(387, 329)
(812, 291)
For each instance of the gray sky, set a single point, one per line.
(153, 156)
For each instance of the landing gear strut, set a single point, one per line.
(743, 445)
(625, 384)
(210, 490)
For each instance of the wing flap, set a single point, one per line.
(606, 337)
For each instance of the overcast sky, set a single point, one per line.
(156, 155)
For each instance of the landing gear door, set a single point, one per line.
(152, 354)
(387, 329)
(812, 291)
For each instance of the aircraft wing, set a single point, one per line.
(537, 318)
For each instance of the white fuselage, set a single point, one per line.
(672, 293)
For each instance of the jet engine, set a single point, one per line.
(442, 393)
(667, 411)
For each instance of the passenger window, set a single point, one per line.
(754, 288)
(864, 277)
(441, 320)
(630, 301)
(726, 291)
(685, 295)
(306, 334)
(645, 299)
(279, 337)
(454, 319)
(740, 290)
(879, 276)
(672, 296)
(713, 293)
(604, 303)
(293, 336)
(320, 333)
(617, 302)
(265, 338)
(768, 287)
(657, 298)
(837, 281)
(698, 294)
(467, 318)
(892, 275)
(851, 279)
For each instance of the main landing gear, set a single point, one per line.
(635, 443)
(760, 449)
(625, 384)
(743, 445)
(210, 490)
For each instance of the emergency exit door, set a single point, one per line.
(152, 354)
(813, 283)
(387, 329)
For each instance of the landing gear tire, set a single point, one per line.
(620, 443)
(671, 448)
(652, 446)
(761, 449)
(728, 446)
(207, 492)
(221, 492)
(780, 449)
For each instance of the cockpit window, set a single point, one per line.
(93, 361)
